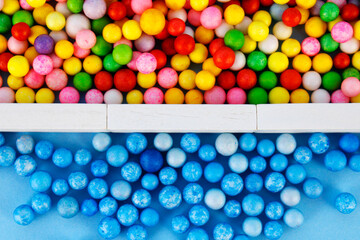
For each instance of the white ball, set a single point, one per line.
(62, 8)
(269, 45)
(58, 35)
(311, 80)
(240, 61)
(286, 144)
(244, 25)
(113, 96)
(238, 163)
(277, 10)
(221, 30)
(189, 31)
(75, 23)
(320, 96)
(215, 199)
(351, 46)
(290, 196)
(281, 31)
(163, 142)
(226, 144)
(101, 142)
(181, 14)
(176, 157)
(293, 218)
(252, 226)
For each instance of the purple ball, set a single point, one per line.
(44, 44)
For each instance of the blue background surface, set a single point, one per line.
(322, 220)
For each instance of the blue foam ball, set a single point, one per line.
(78, 180)
(232, 184)
(349, 143)
(23, 215)
(192, 171)
(274, 210)
(137, 232)
(150, 181)
(141, 198)
(241, 237)
(232, 209)
(273, 230)
(345, 203)
(275, 182)
(354, 163)
(131, 171)
(40, 181)
(120, 190)
(213, 172)
(82, 157)
(108, 206)
(98, 188)
(278, 162)
(60, 187)
(293, 218)
(313, 188)
(7, 156)
(247, 142)
(67, 207)
(170, 197)
(136, 143)
(252, 205)
(151, 160)
(167, 176)
(207, 153)
(127, 215)
(2, 139)
(197, 234)
(89, 207)
(180, 224)
(223, 231)
(335, 160)
(163, 142)
(295, 173)
(319, 143)
(25, 144)
(252, 226)
(303, 155)
(190, 142)
(99, 168)
(109, 228)
(117, 155)
(238, 163)
(41, 203)
(266, 148)
(25, 165)
(44, 149)
(254, 183)
(101, 142)
(149, 217)
(257, 164)
(62, 157)
(193, 193)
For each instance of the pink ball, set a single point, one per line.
(17, 47)
(236, 96)
(43, 64)
(342, 32)
(181, 14)
(34, 80)
(57, 62)
(139, 6)
(216, 95)
(56, 80)
(351, 87)
(146, 63)
(145, 43)
(69, 95)
(132, 63)
(136, 17)
(124, 41)
(194, 17)
(113, 96)
(211, 17)
(339, 97)
(339, 3)
(85, 39)
(7, 95)
(310, 46)
(81, 53)
(167, 78)
(94, 96)
(94, 9)
(153, 96)
(24, 5)
(2, 4)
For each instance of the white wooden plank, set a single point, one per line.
(308, 117)
(53, 117)
(181, 118)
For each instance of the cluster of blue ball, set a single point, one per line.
(269, 168)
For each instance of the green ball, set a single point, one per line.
(5, 23)
(75, 6)
(98, 25)
(268, 80)
(351, 72)
(82, 81)
(110, 65)
(122, 54)
(102, 47)
(234, 39)
(23, 16)
(328, 44)
(257, 61)
(331, 81)
(329, 12)
(257, 96)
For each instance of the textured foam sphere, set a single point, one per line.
(215, 199)
(252, 226)
(226, 144)
(290, 196)
(293, 218)
(286, 144)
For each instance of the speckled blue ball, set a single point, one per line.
(193, 193)
(197, 234)
(25, 144)
(293, 218)
(354, 163)
(192, 171)
(190, 142)
(127, 215)
(266, 148)
(238, 163)
(274, 210)
(60, 187)
(98, 188)
(78, 180)
(241, 237)
(117, 155)
(89, 207)
(108, 206)
(2, 139)
(150, 181)
(170, 197)
(257, 164)
(109, 228)
(273, 230)
(141, 198)
(345, 203)
(313, 188)
(7, 156)
(247, 142)
(44, 149)
(136, 143)
(41, 203)
(25, 165)
(274, 182)
(303, 155)
(254, 183)
(82, 157)
(163, 142)
(23, 215)
(278, 162)
(131, 171)
(232, 184)
(40, 181)
(223, 231)
(149, 217)
(101, 142)
(335, 160)
(319, 143)
(167, 176)
(252, 226)
(295, 173)
(67, 207)
(120, 190)
(62, 157)
(176, 157)
(99, 168)
(349, 143)
(137, 232)
(232, 209)
(180, 224)
(213, 172)
(252, 205)
(151, 160)
(207, 153)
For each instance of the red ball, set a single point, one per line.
(160, 58)
(176, 27)
(350, 12)
(224, 58)
(164, 34)
(187, 5)
(125, 80)
(212, 2)
(215, 45)
(250, 6)
(290, 79)
(103, 81)
(168, 46)
(184, 44)
(116, 11)
(21, 31)
(226, 80)
(129, 11)
(341, 61)
(4, 59)
(225, 5)
(246, 79)
(291, 17)
(292, 3)
(266, 3)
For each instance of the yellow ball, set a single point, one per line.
(306, 4)
(152, 21)
(134, 97)
(258, 31)
(305, 13)
(203, 35)
(31, 54)
(112, 33)
(174, 96)
(281, 1)
(187, 79)
(279, 95)
(234, 14)
(15, 82)
(332, 23)
(357, 30)
(18, 66)
(45, 95)
(299, 96)
(199, 5)
(131, 30)
(355, 99)
(55, 21)
(356, 60)
(92, 64)
(25, 95)
(278, 62)
(199, 54)
(302, 63)
(42, 12)
(175, 4)
(262, 16)
(36, 3)
(210, 66)
(180, 62)
(291, 47)
(194, 96)
(322, 63)
(3, 44)
(10, 7)
(146, 80)
(249, 45)
(315, 27)
(64, 49)
(36, 31)
(72, 66)
(205, 80)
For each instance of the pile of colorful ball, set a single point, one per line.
(247, 165)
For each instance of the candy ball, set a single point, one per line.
(342, 32)
(180, 224)
(232, 209)
(350, 87)
(349, 143)
(252, 205)
(25, 165)
(146, 63)
(62, 157)
(223, 231)
(113, 96)
(254, 183)
(7, 95)
(213, 172)
(274, 210)
(320, 96)
(40, 181)
(345, 203)
(69, 95)
(60, 187)
(319, 143)
(258, 31)
(120, 190)
(149, 217)
(211, 17)
(18, 66)
(295, 173)
(193, 193)
(273, 230)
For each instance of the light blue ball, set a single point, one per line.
(127, 215)
(303, 155)
(286, 144)
(180, 224)
(60, 187)
(241, 237)
(67, 207)
(274, 210)
(295, 173)
(199, 215)
(2, 139)
(266, 148)
(109, 228)
(98, 188)
(193, 193)
(226, 144)
(167, 176)
(40, 181)
(141, 198)
(213, 172)
(25, 144)
(335, 160)
(82, 157)
(190, 142)
(278, 162)
(117, 155)
(247, 142)
(131, 171)
(254, 183)
(151, 160)
(232, 209)
(150, 181)
(170, 197)
(78, 180)
(319, 143)
(89, 207)
(252, 205)
(349, 143)
(163, 142)
(238, 163)
(257, 164)
(197, 234)
(137, 232)
(293, 218)
(7, 156)
(120, 190)
(252, 226)
(232, 184)
(275, 182)
(207, 153)
(354, 163)
(25, 165)
(313, 188)
(273, 230)
(101, 142)
(176, 157)
(192, 171)
(44, 149)
(41, 203)
(108, 206)
(136, 143)
(99, 168)
(345, 203)
(149, 217)
(223, 231)
(23, 215)
(62, 157)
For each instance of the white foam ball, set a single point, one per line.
(351, 46)
(176, 157)
(113, 96)
(293, 218)
(311, 80)
(226, 144)
(240, 61)
(252, 226)
(290, 196)
(238, 163)
(101, 142)
(286, 144)
(320, 96)
(163, 142)
(215, 199)
(221, 30)
(269, 45)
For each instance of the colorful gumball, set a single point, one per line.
(176, 27)
(184, 44)
(291, 17)
(103, 81)
(20, 31)
(290, 79)
(125, 80)
(246, 79)
(224, 58)
(350, 87)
